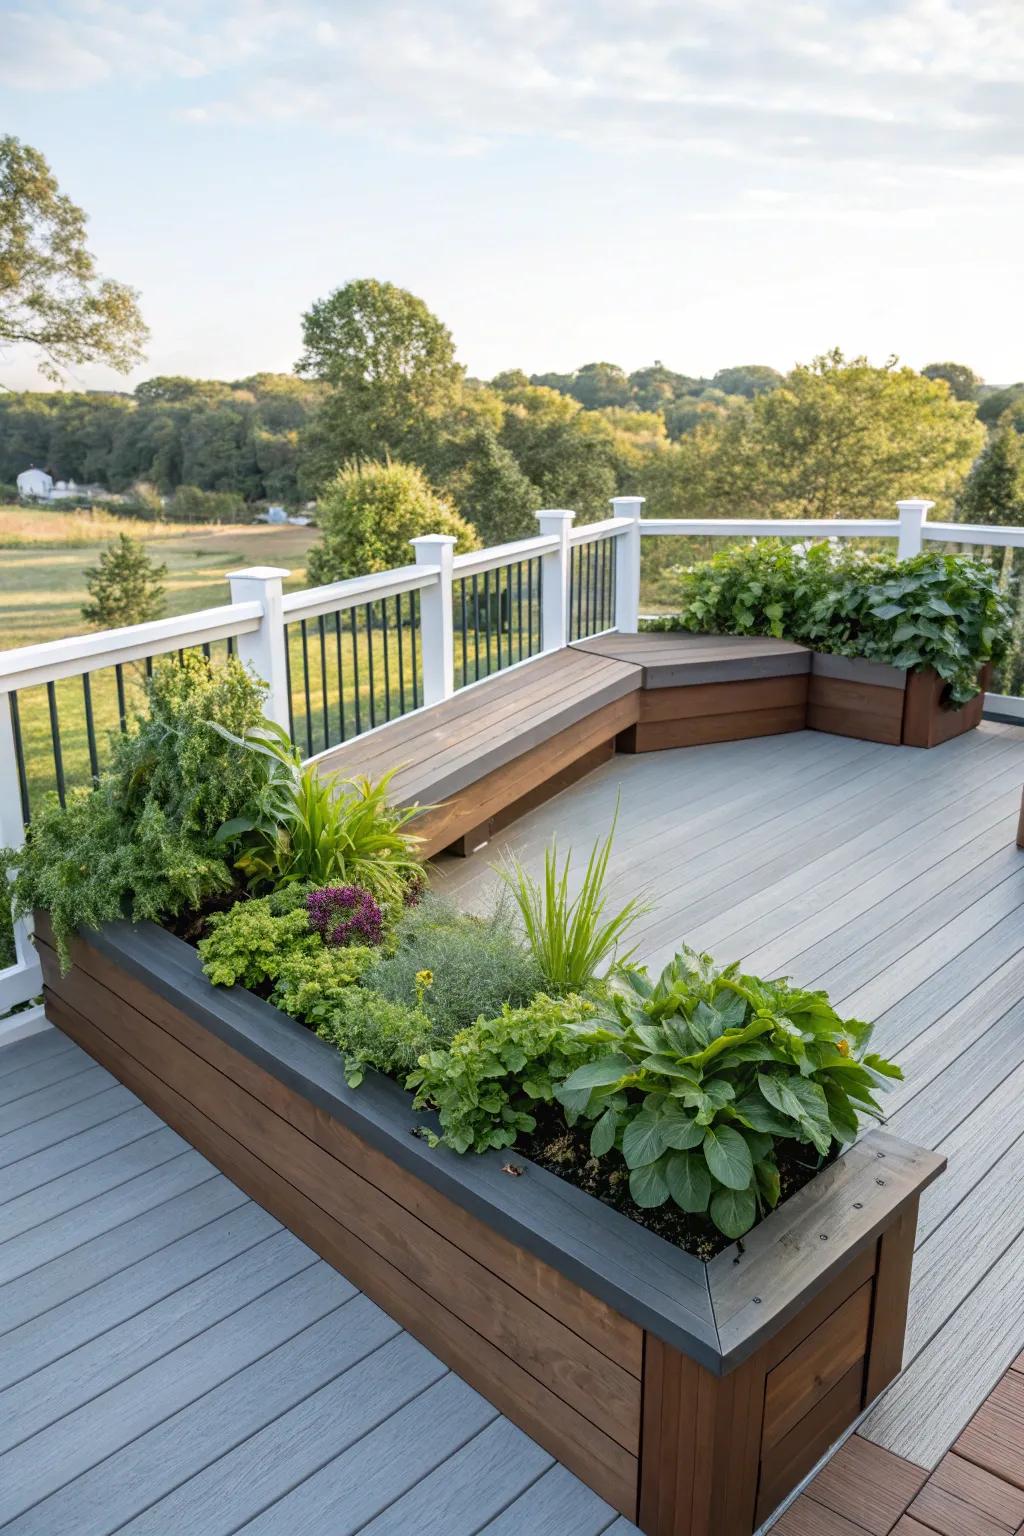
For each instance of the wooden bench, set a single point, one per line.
(500, 747)
(704, 688)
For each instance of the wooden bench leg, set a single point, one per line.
(471, 842)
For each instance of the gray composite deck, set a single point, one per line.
(890, 877)
(172, 1360)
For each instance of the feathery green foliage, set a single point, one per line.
(476, 964)
(302, 825)
(142, 842)
(375, 1031)
(570, 938)
(487, 1084)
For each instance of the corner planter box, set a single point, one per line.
(875, 702)
(692, 1397)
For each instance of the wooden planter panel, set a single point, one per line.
(590, 1333)
(925, 722)
(706, 712)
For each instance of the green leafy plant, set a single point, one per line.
(375, 1031)
(306, 826)
(250, 943)
(143, 843)
(944, 612)
(475, 964)
(126, 587)
(488, 1083)
(314, 984)
(570, 938)
(703, 1074)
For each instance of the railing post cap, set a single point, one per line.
(627, 501)
(915, 504)
(434, 538)
(563, 512)
(258, 573)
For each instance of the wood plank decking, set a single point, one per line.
(173, 1360)
(890, 877)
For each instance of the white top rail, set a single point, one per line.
(30, 665)
(337, 596)
(758, 527)
(607, 528)
(480, 560)
(974, 533)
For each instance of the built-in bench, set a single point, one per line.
(500, 747)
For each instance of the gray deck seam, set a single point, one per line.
(38, 1151)
(86, 1471)
(104, 1088)
(115, 1228)
(84, 1343)
(64, 1173)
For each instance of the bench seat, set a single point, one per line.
(704, 688)
(498, 747)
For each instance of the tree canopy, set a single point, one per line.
(994, 490)
(963, 382)
(368, 514)
(52, 298)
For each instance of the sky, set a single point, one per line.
(704, 182)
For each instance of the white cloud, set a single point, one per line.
(922, 81)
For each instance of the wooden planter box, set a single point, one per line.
(692, 1397)
(875, 702)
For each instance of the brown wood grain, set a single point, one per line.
(868, 1485)
(811, 1370)
(793, 1456)
(610, 1470)
(656, 704)
(507, 785)
(925, 722)
(600, 1325)
(994, 1439)
(891, 1300)
(960, 1499)
(864, 710)
(806, 1517)
(662, 734)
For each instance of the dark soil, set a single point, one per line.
(566, 1152)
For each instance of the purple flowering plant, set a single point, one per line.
(345, 914)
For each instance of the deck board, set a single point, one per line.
(172, 1359)
(906, 899)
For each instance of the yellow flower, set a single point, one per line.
(843, 1047)
(424, 978)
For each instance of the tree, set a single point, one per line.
(368, 514)
(994, 490)
(748, 379)
(390, 364)
(126, 587)
(838, 438)
(963, 381)
(597, 385)
(995, 402)
(490, 489)
(51, 296)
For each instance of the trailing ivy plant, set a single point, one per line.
(945, 612)
(702, 1074)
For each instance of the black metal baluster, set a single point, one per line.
(401, 653)
(90, 726)
(476, 630)
(341, 676)
(19, 757)
(369, 664)
(58, 757)
(529, 597)
(464, 630)
(323, 680)
(122, 711)
(579, 592)
(413, 621)
(387, 658)
(304, 631)
(288, 681)
(206, 650)
(149, 666)
(595, 561)
(355, 672)
(519, 610)
(231, 645)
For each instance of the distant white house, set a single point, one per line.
(35, 482)
(40, 486)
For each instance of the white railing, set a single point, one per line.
(256, 619)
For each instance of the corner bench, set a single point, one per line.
(500, 747)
